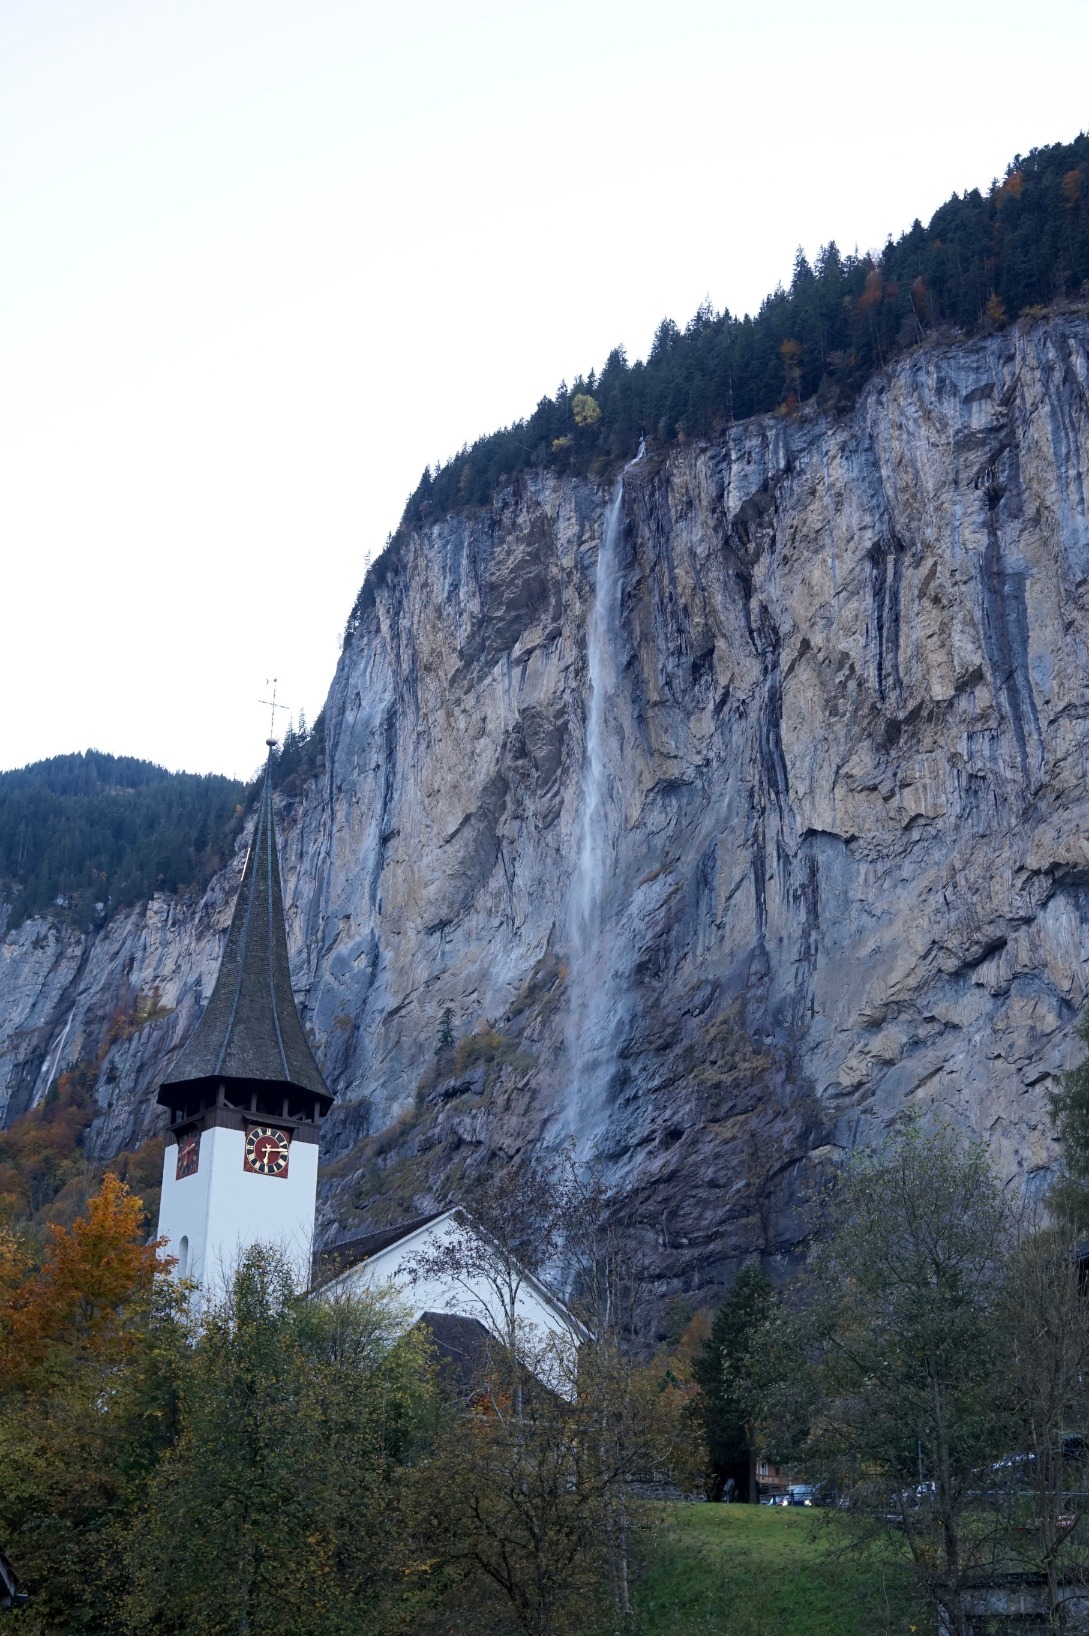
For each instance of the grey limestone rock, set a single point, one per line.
(842, 805)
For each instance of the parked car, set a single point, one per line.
(796, 1494)
(909, 1499)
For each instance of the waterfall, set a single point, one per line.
(593, 843)
(51, 1064)
(594, 1008)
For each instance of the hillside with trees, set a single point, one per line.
(981, 261)
(84, 835)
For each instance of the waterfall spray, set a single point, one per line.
(593, 1007)
(593, 841)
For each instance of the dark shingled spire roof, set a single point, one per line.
(250, 1029)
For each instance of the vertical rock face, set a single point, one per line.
(842, 807)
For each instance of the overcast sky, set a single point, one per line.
(262, 262)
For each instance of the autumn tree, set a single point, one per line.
(92, 1348)
(94, 1280)
(586, 410)
(42, 1150)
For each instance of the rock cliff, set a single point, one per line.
(708, 822)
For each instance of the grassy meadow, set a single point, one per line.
(761, 1571)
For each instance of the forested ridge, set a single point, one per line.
(982, 260)
(84, 835)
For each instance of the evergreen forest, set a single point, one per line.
(981, 261)
(84, 835)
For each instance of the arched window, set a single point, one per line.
(183, 1256)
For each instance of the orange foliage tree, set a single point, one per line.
(45, 1172)
(93, 1350)
(42, 1149)
(77, 1301)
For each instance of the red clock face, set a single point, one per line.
(266, 1151)
(188, 1155)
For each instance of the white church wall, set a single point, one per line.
(541, 1322)
(222, 1209)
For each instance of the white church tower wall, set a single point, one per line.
(210, 1216)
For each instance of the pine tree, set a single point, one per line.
(1070, 1115)
(723, 1372)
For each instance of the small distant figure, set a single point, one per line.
(729, 1491)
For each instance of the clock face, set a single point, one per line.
(266, 1151)
(188, 1155)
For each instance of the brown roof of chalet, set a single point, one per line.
(250, 1028)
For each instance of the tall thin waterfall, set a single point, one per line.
(593, 840)
(593, 1009)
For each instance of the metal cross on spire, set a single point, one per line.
(273, 707)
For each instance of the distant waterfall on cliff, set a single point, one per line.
(593, 840)
(593, 1010)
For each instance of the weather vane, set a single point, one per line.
(273, 707)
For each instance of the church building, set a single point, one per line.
(246, 1099)
(245, 1096)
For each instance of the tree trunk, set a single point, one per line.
(623, 1588)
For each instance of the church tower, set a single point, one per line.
(245, 1096)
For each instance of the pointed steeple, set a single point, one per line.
(249, 1051)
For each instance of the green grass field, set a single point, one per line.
(748, 1570)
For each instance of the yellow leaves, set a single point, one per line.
(40, 1152)
(994, 310)
(585, 409)
(148, 1008)
(1011, 188)
(872, 291)
(1071, 185)
(559, 443)
(90, 1271)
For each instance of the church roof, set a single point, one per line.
(460, 1345)
(349, 1252)
(250, 1029)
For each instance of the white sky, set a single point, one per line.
(263, 261)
